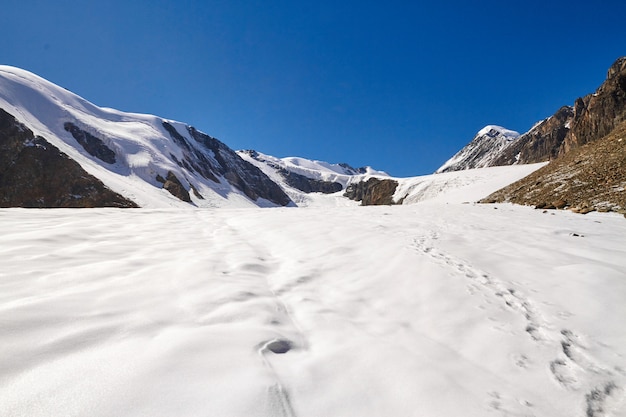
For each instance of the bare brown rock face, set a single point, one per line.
(540, 144)
(35, 173)
(176, 188)
(373, 192)
(596, 115)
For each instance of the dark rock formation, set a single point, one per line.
(211, 158)
(541, 143)
(349, 170)
(194, 160)
(589, 177)
(34, 173)
(308, 185)
(175, 187)
(373, 192)
(596, 115)
(93, 145)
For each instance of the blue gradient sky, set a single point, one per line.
(397, 85)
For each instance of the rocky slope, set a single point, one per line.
(589, 177)
(150, 161)
(597, 114)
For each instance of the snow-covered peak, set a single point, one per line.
(494, 130)
(484, 148)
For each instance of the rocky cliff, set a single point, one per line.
(373, 192)
(597, 114)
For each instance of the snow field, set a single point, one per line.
(427, 309)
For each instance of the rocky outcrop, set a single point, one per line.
(93, 145)
(172, 184)
(589, 177)
(541, 143)
(211, 158)
(308, 185)
(373, 192)
(597, 114)
(35, 173)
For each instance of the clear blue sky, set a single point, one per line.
(398, 85)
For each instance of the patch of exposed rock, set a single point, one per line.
(308, 185)
(35, 173)
(93, 145)
(590, 177)
(373, 192)
(172, 184)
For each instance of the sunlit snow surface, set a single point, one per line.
(431, 309)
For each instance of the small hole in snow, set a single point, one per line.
(279, 346)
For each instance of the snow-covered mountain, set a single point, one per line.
(59, 150)
(482, 150)
(148, 160)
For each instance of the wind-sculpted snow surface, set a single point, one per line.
(431, 309)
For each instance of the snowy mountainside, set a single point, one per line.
(152, 161)
(310, 182)
(482, 150)
(317, 170)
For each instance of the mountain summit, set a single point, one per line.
(482, 150)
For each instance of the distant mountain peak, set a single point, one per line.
(482, 150)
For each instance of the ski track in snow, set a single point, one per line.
(573, 364)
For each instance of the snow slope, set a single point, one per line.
(142, 145)
(429, 309)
